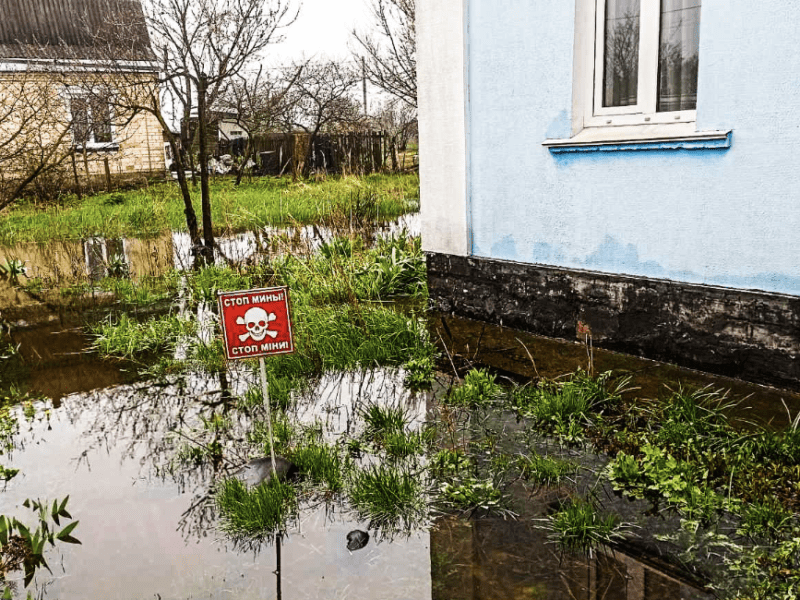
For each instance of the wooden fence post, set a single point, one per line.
(108, 174)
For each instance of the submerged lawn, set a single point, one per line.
(268, 201)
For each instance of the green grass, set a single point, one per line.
(544, 470)
(478, 389)
(578, 526)
(381, 421)
(128, 338)
(262, 202)
(335, 325)
(255, 513)
(143, 291)
(321, 464)
(400, 445)
(390, 498)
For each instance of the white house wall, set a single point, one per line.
(442, 125)
(725, 217)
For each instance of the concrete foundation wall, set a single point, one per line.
(750, 335)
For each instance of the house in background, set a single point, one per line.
(52, 53)
(628, 164)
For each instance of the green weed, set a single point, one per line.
(282, 430)
(395, 268)
(478, 389)
(258, 513)
(420, 373)
(544, 470)
(22, 547)
(382, 420)
(127, 338)
(447, 464)
(321, 464)
(765, 520)
(578, 526)
(391, 498)
(403, 444)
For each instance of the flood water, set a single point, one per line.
(147, 525)
(523, 356)
(61, 263)
(148, 529)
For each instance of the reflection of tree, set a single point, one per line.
(677, 69)
(150, 422)
(621, 68)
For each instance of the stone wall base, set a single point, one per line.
(747, 334)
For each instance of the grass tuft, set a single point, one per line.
(321, 464)
(255, 513)
(578, 526)
(391, 498)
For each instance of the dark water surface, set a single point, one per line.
(515, 353)
(148, 530)
(146, 524)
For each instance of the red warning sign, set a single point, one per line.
(256, 322)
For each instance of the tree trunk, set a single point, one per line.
(393, 151)
(310, 152)
(180, 165)
(188, 207)
(205, 193)
(248, 149)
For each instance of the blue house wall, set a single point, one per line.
(722, 217)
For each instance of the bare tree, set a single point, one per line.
(324, 102)
(399, 121)
(262, 103)
(390, 59)
(34, 131)
(203, 45)
(200, 46)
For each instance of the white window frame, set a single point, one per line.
(644, 111)
(91, 145)
(593, 124)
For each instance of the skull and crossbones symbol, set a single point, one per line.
(256, 320)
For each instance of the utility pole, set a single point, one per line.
(364, 82)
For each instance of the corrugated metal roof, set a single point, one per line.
(73, 29)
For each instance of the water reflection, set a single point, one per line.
(251, 247)
(64, 263)
(490, 559)
(146, 523)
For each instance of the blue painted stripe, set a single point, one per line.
(708, 144)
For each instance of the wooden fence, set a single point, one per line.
(333, 153)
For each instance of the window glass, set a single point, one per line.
(101, 121)
(80, 119)
(621, 62)
(678, 52)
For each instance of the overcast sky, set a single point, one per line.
(322, 29)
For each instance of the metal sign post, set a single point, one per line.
(256, 323)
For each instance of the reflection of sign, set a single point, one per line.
(256, 322)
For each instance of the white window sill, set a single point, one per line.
(641, 137)
(95, 147)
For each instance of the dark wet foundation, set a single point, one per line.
(494, 559)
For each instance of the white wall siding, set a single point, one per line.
(442, 125)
